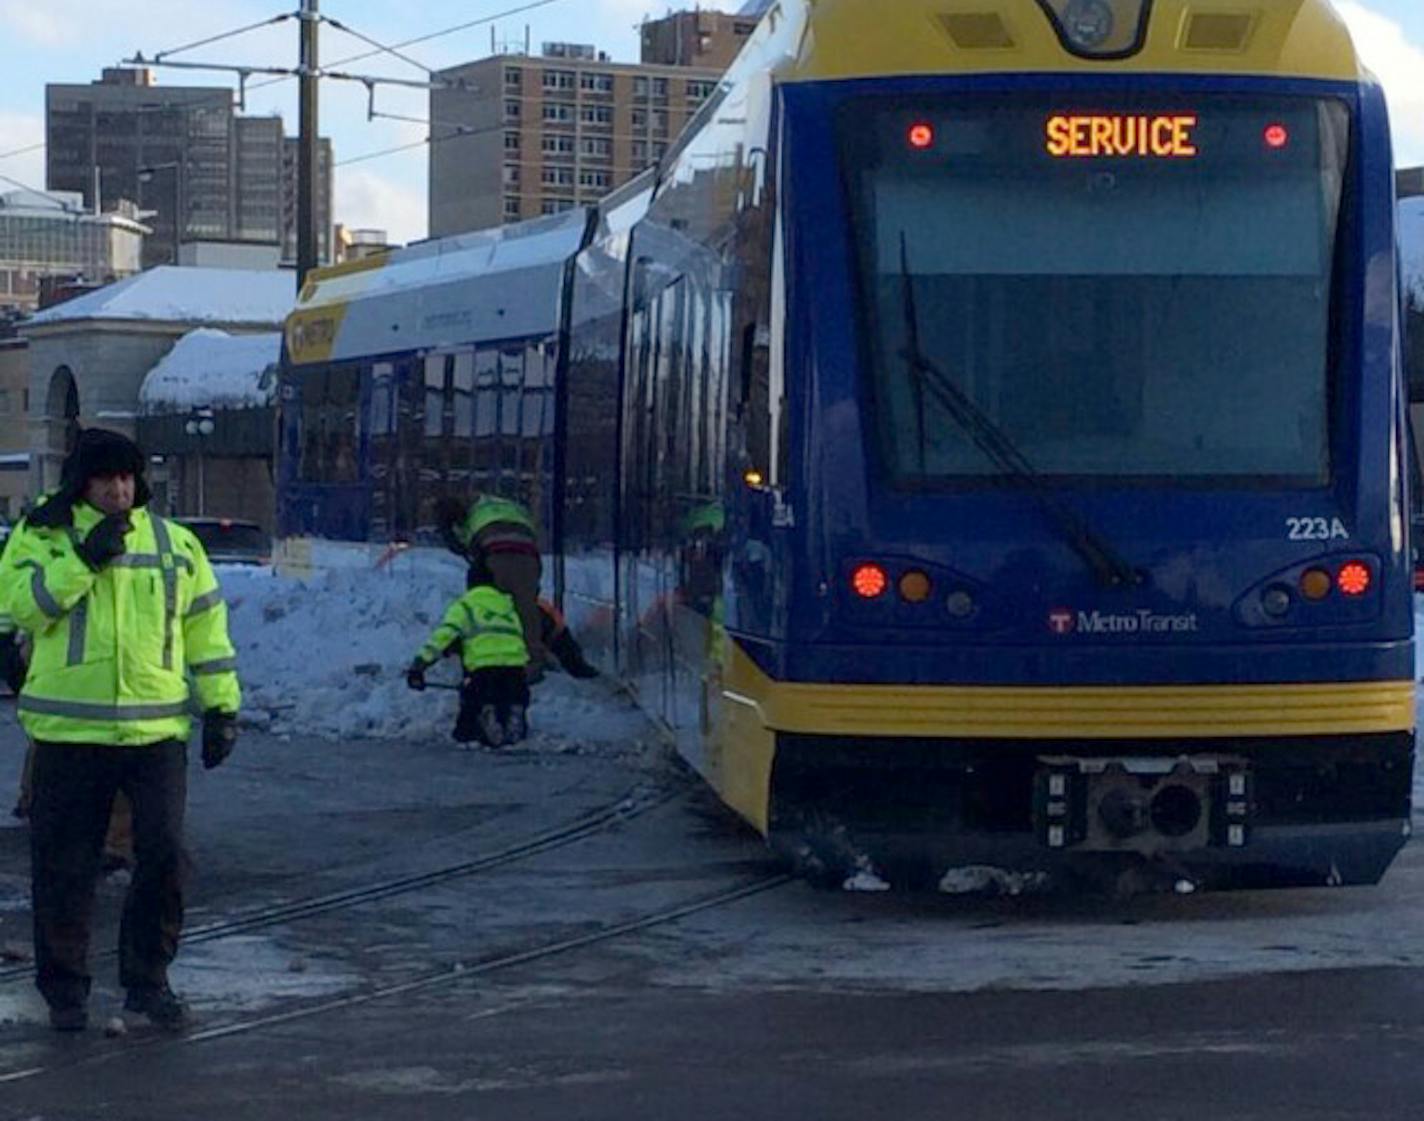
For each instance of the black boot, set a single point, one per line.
(161, 1006)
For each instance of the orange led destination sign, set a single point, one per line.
(1122, 135)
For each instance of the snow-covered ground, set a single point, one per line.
(327, 657)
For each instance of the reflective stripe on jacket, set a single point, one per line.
(113, 650)
(485, 626)
(498, 523)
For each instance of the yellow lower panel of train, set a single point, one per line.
(750, 708)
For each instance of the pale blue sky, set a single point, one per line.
(71, 40)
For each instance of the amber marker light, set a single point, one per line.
(754, 478)
(1316, 584)
(869, 581)
(915, 587)
(1354, 579)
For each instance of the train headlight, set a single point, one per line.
(1276, 602)
(1099, 28)
(1089, 23)
(960, 605)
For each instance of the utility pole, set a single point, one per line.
(307, 145)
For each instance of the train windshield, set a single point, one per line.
(1122, 289)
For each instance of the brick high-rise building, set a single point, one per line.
(182, 152)
(697, 38)
(544, 134)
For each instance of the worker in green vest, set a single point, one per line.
(483, 627)
(498, 539)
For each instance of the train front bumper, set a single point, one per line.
(1010, 815)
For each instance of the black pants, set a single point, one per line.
(75, 786)
(503, 686)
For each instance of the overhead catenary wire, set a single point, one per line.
(60, 203)
(22, 151)
(429, 140)
(506, 14)
(380, 47)
(226, 35)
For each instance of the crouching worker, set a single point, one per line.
(484, 628)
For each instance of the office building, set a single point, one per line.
(197, 169)
(47, 237)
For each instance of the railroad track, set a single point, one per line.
(436, 979)
(638, 801)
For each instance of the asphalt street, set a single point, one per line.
(408, 930)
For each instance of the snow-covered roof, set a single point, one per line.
(488, 285)
(213, 368)
(167, 294)
(1411, 241)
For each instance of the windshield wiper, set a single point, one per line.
(1111, 570)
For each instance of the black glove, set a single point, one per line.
(219, 737)
(12, 663)
(105, 542)
(415, 676)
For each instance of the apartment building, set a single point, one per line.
(524, 136)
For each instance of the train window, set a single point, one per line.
(463, 387)
(435, 375)
(1118, 314)
(330, 426)
(383, 413)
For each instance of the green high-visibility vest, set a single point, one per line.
(485, 626)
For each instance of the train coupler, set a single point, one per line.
(1147, 805)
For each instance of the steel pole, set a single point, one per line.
(307, 246)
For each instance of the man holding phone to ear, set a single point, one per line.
(123, 608)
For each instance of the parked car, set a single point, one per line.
(229, 541)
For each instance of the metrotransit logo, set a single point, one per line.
(1064, 621)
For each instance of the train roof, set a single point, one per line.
(489, 285)
(845, 39)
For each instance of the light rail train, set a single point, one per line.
(981, 441)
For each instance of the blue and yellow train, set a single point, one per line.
(981, 443)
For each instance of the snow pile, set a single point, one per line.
(212, 368)
(327, 657)
(1411, 241)
(185, 295)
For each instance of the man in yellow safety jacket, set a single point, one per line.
(498, 538)
(484, 628)
(122, 607)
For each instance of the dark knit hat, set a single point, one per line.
(97, 453)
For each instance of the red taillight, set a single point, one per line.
(922, 136)
(1354, 579)
(869, 581)
(1277, 137)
